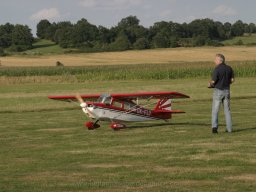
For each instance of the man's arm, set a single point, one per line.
(232, 76)
(214, 79)
(211, 84)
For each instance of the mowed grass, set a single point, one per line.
(44, 146)
(248, 39)
(154, 56)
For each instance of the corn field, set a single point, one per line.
(130, 72)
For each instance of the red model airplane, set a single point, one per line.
(121, 108)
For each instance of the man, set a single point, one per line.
(222, 78)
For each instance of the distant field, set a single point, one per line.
(156, 56)
(245, 40)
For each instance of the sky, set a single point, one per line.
(109, 12)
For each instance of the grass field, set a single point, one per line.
(245, 40)
(44, 146)
(156, 56)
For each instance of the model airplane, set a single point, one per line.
(121, 108)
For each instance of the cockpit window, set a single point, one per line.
(105, 98)
(129, 105)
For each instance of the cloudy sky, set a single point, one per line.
(109, 12)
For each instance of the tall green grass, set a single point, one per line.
(131, 72)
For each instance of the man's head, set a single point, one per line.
(219, 59)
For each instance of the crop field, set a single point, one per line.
(45, 147)
(155, 56)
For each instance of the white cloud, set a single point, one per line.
(110, 4)
(51, 13)
(224, 10)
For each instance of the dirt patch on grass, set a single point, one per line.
(54, 175)
(191, 169)
(105, 165)
(243, 177)
(56, 129)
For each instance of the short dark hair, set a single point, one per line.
(221, 56)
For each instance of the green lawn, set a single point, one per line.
(44, 146)
(246, 40)
(45, 47)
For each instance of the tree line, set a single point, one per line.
(127, 34)
(15, 38)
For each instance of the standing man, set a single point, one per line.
(222, 77)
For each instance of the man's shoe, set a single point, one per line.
(215, 130)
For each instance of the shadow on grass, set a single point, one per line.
(246, 129)
(43, 46)
(167, 124)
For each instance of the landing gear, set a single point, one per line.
(117, 126)
(91, 125)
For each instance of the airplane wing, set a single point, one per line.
(150, 95)
(73, 98)
(125, 97)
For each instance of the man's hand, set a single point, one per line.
(211, 84)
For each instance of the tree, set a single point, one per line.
(227, 28)
(43, 29)
(161, 41)
(252, 28)
(220, 31)
(203, 27)
(237, 28)
(63, 37)
(83, 34)
(128, 22)
(6, 35)
(63, 33)
(22, 37)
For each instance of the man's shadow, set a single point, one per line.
(165, 124)
(141, 126)
(245, 129)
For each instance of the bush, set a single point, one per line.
(2, 53)
(199, 40)
(214, 43)
(122, 43)
(18, 48)
(239, 42)
(161, 41)
(141, 43)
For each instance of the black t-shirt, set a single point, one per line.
(222, 76)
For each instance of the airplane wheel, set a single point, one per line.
(117, 126)
(91, 125)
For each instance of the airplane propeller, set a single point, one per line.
(80, 99)
(90, 125)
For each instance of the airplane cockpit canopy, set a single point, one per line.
(105, 98)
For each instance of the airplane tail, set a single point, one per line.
(164, 104)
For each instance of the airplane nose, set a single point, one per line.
(83, 105)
